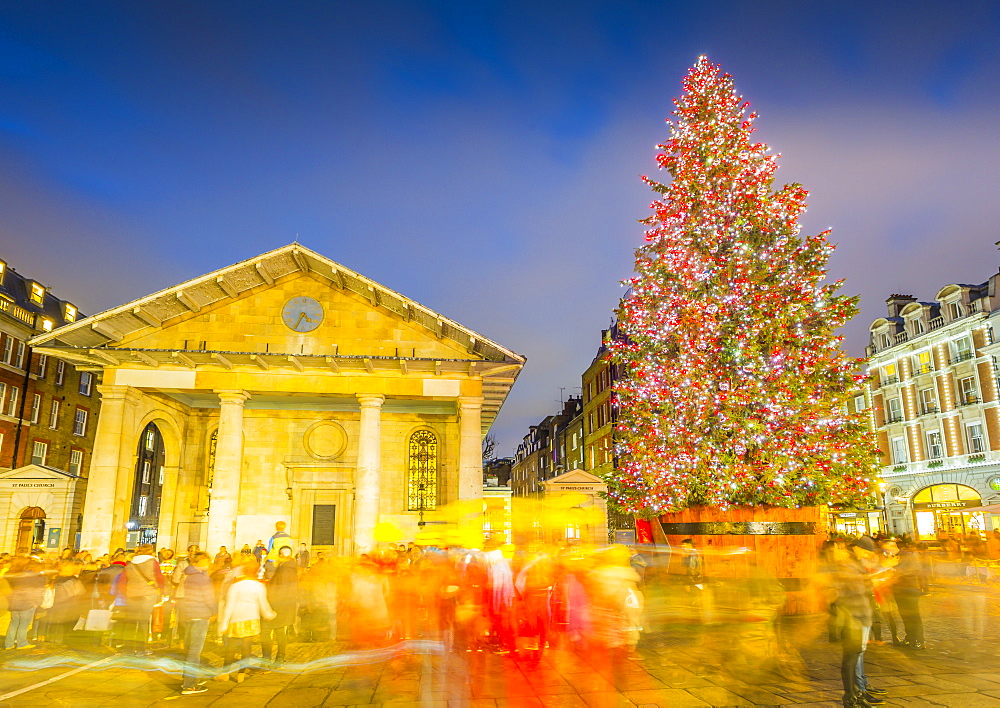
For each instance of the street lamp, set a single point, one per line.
(885, 513)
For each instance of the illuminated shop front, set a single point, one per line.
(856, 523)
(944, 509)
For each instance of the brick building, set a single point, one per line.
(933, 388)
(48, 410)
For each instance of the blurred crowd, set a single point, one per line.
(246, 607)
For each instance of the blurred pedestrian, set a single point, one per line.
(282, 595)
(141, 584)
(239, 621)
(27, 584)
(196, 609)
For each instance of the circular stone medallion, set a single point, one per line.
(325, 440)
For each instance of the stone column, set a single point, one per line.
(368, 478)
(228, 470)
(105, 511)
(470, 448)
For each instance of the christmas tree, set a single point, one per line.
(734, 387)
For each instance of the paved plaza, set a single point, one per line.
(681, 666)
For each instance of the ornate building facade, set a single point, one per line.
(285, 387)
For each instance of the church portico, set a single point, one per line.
(305, 394)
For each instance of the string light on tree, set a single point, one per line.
(735, 387)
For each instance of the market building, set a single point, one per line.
(933, 388)
(282, 388)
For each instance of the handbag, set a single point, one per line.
(98, 621)
(48, 598)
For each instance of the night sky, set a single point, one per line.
(483, 158)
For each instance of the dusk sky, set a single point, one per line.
(482, 158)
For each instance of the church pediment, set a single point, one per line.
(575, 478)
(36, 473)
(258, 289)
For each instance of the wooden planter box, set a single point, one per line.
(783, 543)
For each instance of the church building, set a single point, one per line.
(282, 388)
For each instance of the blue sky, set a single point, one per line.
(480, 157)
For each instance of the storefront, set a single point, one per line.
(867, 522)
(945, 509)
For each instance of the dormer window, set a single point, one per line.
(917, 327)
(46, 324)
(886, 342)
(36, 293)
(3, 270)
(69, 312)
(955, 310)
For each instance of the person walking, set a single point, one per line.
(259, 551)
(282, 594)
(910, 585)
(223, 560)
(302, 557)
(141, 584)
(27, 585)
(196, 609)
(68, 594)
(239, 620)
(854, 608)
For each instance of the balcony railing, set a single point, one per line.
(968, 400)
(937, 323)
(923, 369)
(960, 357)
(901, 337)
(897, 418)
(889, 380)
(929, 410)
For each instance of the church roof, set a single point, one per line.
(94, 339)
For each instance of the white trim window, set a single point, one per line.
(967, 387)
(145, 472)
(75, 461)
(60, 372)
(54, 413)
(895, 409)
(86, 382)
(922, 363)
(859, 404)
(3, 395)
(935, 448)
(928, 404)
(15, 393)
(19, 356)
(80, 422)
(962, 348)
(899, 456)
(955, 310)
(143, 501)
(977, 438)
(8, 348)
(36, 408)
(43, 365)
(39, 452)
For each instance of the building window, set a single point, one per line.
(955, 309)
(145, 471)
(43, 365)
(60, 372)
(422, 479)
(54, 414)
(8, 348)
(927, 402)
(37, 294)
(859, 404)
(36, 408)
(39, 451)
(80, 422)
(963, 349)
(977, 443)
(3, 394)
(12, 401)
(69, 312)
(143, 502)
(895, 410)
(19, 355)
(86, 381)
(968, 390)
(75, 461)
(934, 448)
(922, 363)
(899, 456)
(917, 326)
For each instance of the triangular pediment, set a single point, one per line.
(574, 477)
(136, 322)
(36, 472)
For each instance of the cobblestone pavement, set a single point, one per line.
(677, 667)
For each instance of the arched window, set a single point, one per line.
(145, 508)
(422, 472)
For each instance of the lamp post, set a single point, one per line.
(882, 507)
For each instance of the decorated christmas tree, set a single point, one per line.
(734, 388)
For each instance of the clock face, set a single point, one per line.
(303, 314)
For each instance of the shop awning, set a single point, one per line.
(989, 509)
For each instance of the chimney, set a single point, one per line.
(898, 302)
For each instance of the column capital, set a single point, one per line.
(370, 400)
(111, 392)
(470, 401)
(232, 396)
